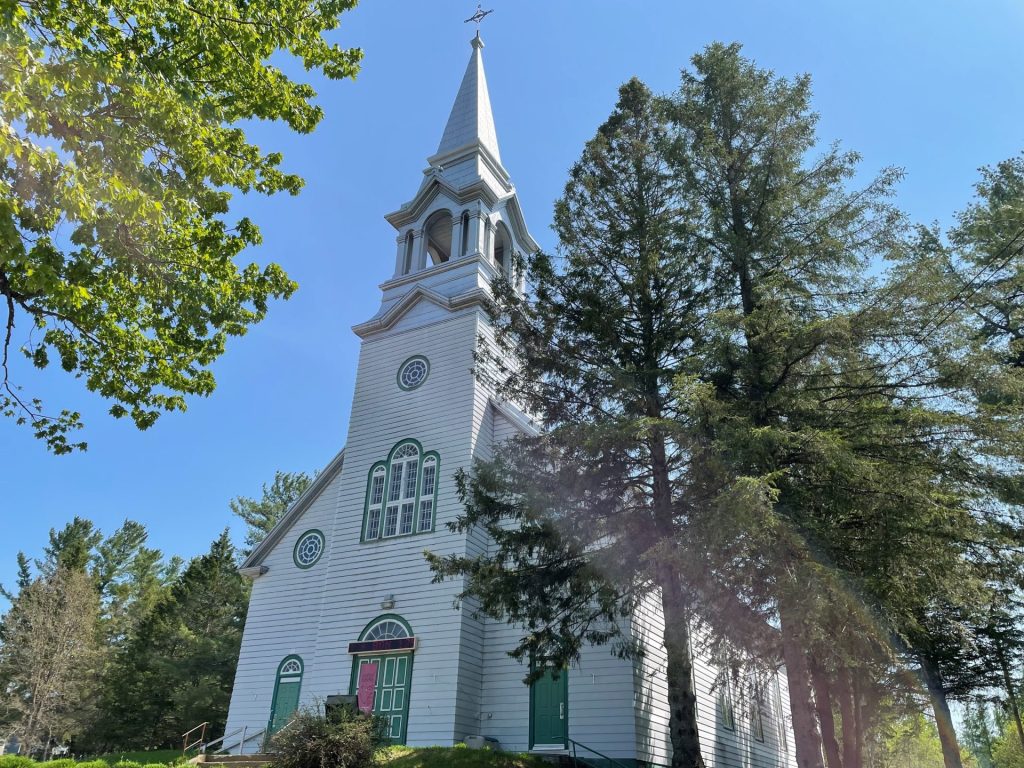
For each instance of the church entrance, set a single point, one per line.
(390, 698)
(382, 672)
(549, 710)
(286, 693)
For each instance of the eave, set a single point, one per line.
(253, 565)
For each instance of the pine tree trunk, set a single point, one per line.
(1011, 694)
(823, 704)
(682, 700)
(943, 718)
(805, 726)
(847, 711)
(861, 706)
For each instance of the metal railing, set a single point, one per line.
(269, 735)
(223, 740)
(185, 745)
(204, 746)
(582, 761)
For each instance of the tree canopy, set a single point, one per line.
(121, 146)
(767, 404)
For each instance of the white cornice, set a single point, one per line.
(419, 293)
(519, 225)
(516, 416)
(438, 269)
(468, 150)
(411, 211)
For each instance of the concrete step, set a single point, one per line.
(261, 760)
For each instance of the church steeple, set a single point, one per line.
(463, 228)
(471, 121)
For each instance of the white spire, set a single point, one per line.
(471, 121)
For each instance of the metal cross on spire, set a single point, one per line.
(478, 16)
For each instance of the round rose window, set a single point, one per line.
(413, 372)
(308, 549)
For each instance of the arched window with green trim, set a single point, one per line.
(286, 692)
(401, 493)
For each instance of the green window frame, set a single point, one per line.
(756, 707)
(401, 493)
(301, 551)
(778, 714)
(407, 383)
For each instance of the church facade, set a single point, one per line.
(343, 600)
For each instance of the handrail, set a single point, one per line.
(185, 746)
(206, 745)
(611, 760)
(226, 736)
(269, 736)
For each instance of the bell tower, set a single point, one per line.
(464, 226)
(419, 414)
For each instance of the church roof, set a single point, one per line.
(251, 566)
(471, 120)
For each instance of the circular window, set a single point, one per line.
(308, 549)
(413, 372)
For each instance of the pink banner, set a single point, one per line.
(367, 685)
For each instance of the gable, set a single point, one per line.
(252, 564)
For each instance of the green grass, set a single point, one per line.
(152, 756)
(455, 757)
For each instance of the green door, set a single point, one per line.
(391, 694)
(550, 710)
(285, 705)
(286, 693)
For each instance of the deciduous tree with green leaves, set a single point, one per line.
(120, 148)
(50, 658)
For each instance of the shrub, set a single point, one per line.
(63, 762)
(1007, 751)
(16, 761)
(344, 739)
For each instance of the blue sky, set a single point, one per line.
(931, 86)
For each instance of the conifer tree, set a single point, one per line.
(261, 515)
(679, 358)
(177, 669)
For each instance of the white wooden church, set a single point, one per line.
(342, 599)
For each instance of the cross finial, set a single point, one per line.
(478, 17)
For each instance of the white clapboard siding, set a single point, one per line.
(721, 747)
(445, 675)
(600, 697)
(284, 612)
